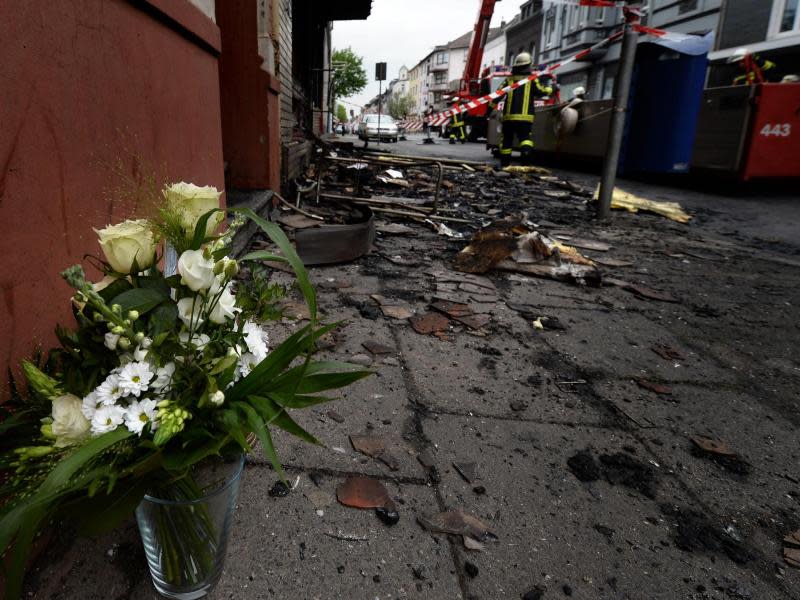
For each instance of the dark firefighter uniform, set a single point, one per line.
(754, 67)
(457, 128)
(518, 112)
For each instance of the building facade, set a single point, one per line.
(768, 27)
(494, 53)
(214, 93)
(525, 32)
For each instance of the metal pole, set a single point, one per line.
(622, 88)
(380, 107)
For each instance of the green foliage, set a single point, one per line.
(349, 76)
(341, 113)
(207, 409)
(401, 106)
(258, 298)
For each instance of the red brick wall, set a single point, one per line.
(250, 99)
(83, 84)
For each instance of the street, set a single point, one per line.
(441, 148)
(582, 447)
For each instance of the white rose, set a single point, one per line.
(225, 308)
(187, 315)
(197, 272)
(106, 281)
(217, 398)
(192, 202)
(69, 424)
(125, 242)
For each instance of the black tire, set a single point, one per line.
(394, 140)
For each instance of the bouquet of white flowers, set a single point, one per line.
(163, 371)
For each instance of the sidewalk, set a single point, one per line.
(580, 438)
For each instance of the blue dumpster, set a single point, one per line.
(666, 91)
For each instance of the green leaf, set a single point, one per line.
(103, 513)
(154, 283)
(294, 401)
(28, 525)
(163, 318)
(276, 234)
(328, 381)
(274, 413)
(22, 520)
(200, 229)
(139, 299)
(264, 255)
(176, 461)
(256, 422)
(115, 288)
(276, 361)
(233, 425)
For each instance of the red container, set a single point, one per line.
(775, 135)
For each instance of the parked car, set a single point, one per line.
(368, 128)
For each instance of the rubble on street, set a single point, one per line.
(559, 408)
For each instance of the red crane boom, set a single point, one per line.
(472, 69)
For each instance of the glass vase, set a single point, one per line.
(185, 526)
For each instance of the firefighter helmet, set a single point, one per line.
(522, 60)
(579, 92)
(738, 55)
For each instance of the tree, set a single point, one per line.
(341, 113)
(400, 106)
(349, 76)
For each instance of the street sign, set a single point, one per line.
(380, 71)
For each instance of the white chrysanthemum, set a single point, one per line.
(247, 363)
(90, 404)
(110, 390)
(135, 378)
(217, 398)
(163, 377)
(107, 418)
(256, 339)
(139, 414)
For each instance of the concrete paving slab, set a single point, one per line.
(620, 344)
(283, 548)
(602, 541)
(377, 406)
(494, 376)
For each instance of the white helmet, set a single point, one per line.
(790, 79)
(579, 92)
(523, 60)
(738, 55)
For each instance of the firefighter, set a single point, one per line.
(457, 125)
(518, 110)
(753, 65)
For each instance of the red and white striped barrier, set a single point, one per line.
(632, 16)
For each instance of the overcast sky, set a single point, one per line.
(402, 32)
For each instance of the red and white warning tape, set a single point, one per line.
(632, 16)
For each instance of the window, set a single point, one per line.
(687, 6)
(550, 26)
(440, 77)
(441, 58)
(785, 17)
